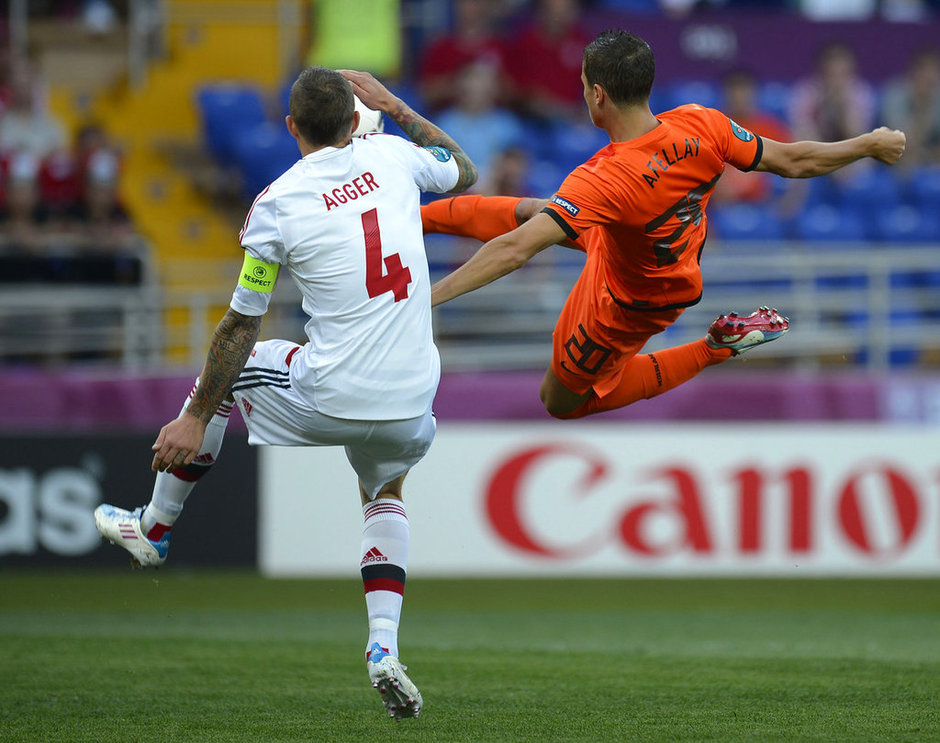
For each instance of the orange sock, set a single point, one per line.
(649, 374)
(471, 216)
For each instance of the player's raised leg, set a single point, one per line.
(479, 217)
(647, 375)
(145, 532)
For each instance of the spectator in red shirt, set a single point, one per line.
(472, 40)
(543, 62)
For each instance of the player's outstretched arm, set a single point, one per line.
(180, 440)
(498, 257)
(419, 130)
(808, 159)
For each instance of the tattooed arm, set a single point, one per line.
(180, 440)
(419, 130)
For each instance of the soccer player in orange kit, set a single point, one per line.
(637, 209)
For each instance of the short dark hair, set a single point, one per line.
(622, 64)
(321, 105)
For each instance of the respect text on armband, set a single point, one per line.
(258, 275)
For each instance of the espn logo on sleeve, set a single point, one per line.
(566, 205)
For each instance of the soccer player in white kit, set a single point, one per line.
(345, 223)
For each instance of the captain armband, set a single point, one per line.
(258, 275)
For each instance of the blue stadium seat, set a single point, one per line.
(904, 223)
(577, 143)
(774, 98)
(704, 92)
(544, 178)
(905, 317)
(283, 98)
(822, 190)
(659, 99)
(870, 188)
(925, 187)
(645, 7)
(263, 152)
(842, 281)
(828, 223)
(745, 222)
(226, 109)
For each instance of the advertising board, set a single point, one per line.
(611, 499)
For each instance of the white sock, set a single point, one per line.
(170, 489)
(384, 563)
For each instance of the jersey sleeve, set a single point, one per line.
(433, 168)
(247, 302)
(261, 239)
(738, 146)
(260, 234)
(581, 202)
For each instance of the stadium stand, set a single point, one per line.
(207, 122)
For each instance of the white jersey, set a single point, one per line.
(346, 223)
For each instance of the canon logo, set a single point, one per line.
(874, 510)
(52, 510)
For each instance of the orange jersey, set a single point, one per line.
(641, 205)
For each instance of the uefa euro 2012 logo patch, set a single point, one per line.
(440, 153)
(740, 132)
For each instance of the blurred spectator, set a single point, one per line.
(99, 17)
(22, 214)
(26, 126)
(509, 175)
(912, 104)
(740, 90)
(6, 80)
(101, 219)
(472, 40)
(834, 103)
(476, 121)
(543, 62)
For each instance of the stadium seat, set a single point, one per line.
(903, 223)
(704, 92)
(544, 178)
(644, 7)
(774, 98)
(225, 110)
(822, 190)
(576, 143)
(925, 187)
(870, 188)
(745, 222)
(263, 152)
(659, 99)
(905, 317)
(828, 223)
(283, 98)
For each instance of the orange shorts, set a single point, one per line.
(595, 337)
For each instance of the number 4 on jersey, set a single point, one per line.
(383, 274)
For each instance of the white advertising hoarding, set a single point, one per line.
(611, 499)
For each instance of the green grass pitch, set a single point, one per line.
(178, 656)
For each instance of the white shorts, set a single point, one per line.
(277, 414)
